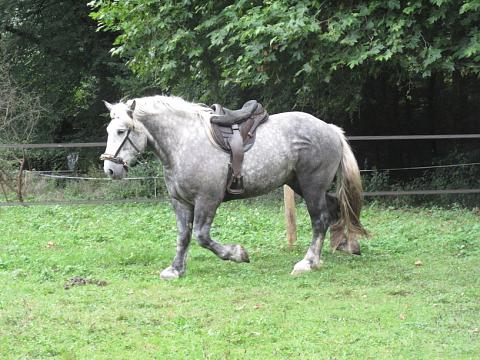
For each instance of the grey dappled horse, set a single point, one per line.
(291, 148)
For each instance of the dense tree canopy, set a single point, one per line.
(292, 52)
(55, 52)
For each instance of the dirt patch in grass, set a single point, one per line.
(80, 281)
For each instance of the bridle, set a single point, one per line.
(115, 158)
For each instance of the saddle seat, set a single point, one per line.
(227, 117)
(234, 132)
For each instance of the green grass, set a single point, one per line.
(376, 306)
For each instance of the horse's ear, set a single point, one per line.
(108, 105)
(131, 107)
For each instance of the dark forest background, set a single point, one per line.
(372, 67)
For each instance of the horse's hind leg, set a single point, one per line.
(184, 215)
(338, 239)
(320, 218)
(204, 214)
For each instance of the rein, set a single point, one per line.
(115, 158)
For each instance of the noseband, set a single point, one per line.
(116, 159)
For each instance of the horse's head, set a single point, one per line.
(126, 140)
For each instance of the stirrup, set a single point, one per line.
(235, 186)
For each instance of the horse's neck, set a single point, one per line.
(168, 132)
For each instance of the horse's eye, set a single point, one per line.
(120, 132)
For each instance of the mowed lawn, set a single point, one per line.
(413, 294)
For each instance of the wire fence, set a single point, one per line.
(65, 175)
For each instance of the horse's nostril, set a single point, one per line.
(110, 172)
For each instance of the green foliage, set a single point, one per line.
(383, 304)
(211, 50)
(56, 53)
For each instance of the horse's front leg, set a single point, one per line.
(184, 214)
(204, 214)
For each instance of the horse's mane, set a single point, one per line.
(152, 105)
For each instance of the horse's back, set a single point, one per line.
(300, 132)
(289, 143)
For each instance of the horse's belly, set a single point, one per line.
(268, 165)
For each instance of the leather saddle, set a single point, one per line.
(234, 132)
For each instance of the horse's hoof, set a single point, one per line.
(305, 266)
(356, 252)
(239, 254)
(352, 248)
(170, 274)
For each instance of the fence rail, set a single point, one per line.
(414, 137)
(351, 138)
(80, 202)
(53, 146)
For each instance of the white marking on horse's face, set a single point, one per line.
(117, 131)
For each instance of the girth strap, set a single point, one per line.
(235, 183)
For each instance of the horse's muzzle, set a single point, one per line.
(114, 168)
(114, 159)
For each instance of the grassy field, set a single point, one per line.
(413, 294)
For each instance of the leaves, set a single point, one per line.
(216, 50)
(431, 55)
(56, 53)
(470, 6)
(278, 27)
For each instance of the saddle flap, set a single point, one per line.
(234, 132)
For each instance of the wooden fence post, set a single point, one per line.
(290, 217)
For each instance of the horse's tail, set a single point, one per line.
(349, 193)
